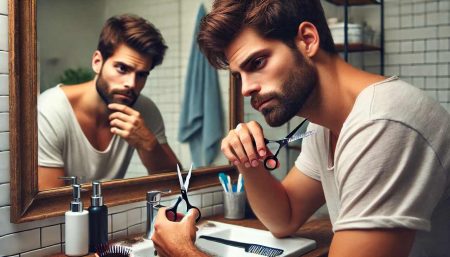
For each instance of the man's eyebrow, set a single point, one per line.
(130, 67)
(123, 64)
(250, 58)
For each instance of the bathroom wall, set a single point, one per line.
(417, 48)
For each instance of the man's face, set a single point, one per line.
(278, 78)
(122, 76)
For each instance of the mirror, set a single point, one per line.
(26, 63)
(67, 36)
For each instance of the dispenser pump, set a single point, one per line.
(96, 198)
(76, 205)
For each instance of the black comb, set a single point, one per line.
(106, 250)
(249, 248)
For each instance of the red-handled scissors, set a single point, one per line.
(183, 196)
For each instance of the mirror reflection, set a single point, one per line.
(120, 105)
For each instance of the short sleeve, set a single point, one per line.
(387, 176)
(307, 161)
(50, 145)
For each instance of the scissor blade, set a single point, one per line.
(299, 135)
(180, 178)
(188, 178)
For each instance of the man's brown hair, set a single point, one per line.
(135, 32)
(274, 19)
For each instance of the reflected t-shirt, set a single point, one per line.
(62, 142)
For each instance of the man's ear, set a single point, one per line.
(307, 39)
(97, 61)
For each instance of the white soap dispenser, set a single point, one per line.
(77, 226)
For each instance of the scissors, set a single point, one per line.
(294, 135)
(183, 196)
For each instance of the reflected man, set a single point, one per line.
(91, 130)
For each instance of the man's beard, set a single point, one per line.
(102, 89)
(296, 89)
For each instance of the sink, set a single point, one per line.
(143, 249)
(291, 246)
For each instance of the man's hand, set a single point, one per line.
(175, 238)
(128, 124)
(244, 145)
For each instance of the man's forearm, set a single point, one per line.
(268, 199)
(158, 157)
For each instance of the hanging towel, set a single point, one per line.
(201, 121)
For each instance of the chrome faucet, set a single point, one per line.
(153, 205)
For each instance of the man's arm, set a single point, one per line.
(48, 177)
(287, 205)
(281, 206)
(129, 124)
(160, 157)
(395, 242)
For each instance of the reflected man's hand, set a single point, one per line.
(129, 124)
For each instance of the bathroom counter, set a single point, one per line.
(317, 229)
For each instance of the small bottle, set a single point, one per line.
(77, 226)
(98, 219)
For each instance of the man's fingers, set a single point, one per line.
(258, 137)
(122, 108)
(247, 142)
(122, 125)
(236, 146)
(121, 116)
(120, 132)
(191, 216)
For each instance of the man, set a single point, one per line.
(91, 130)
(380, 157)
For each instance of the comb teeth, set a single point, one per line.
(106, 250)
(264, 250)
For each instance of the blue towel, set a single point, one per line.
(201, 121)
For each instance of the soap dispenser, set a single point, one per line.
(77, 226)
(98, 219)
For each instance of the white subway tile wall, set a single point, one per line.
(3, 33)
(417, 49)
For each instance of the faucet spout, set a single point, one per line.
(153, 205)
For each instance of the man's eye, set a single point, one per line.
(258, 63)
(237, 76)
(122, 68)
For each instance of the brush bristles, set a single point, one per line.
(106, 250)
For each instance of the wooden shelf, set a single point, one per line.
(359, 47)
(354, 2)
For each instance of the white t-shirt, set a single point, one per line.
(391, 166)
(62, 142)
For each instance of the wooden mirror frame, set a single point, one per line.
(27, 203)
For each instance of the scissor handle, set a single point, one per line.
(199, 213)
(173, 209)
(269, 158)
(190, 206)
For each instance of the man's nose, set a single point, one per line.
(130, 81)
(249, 86)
